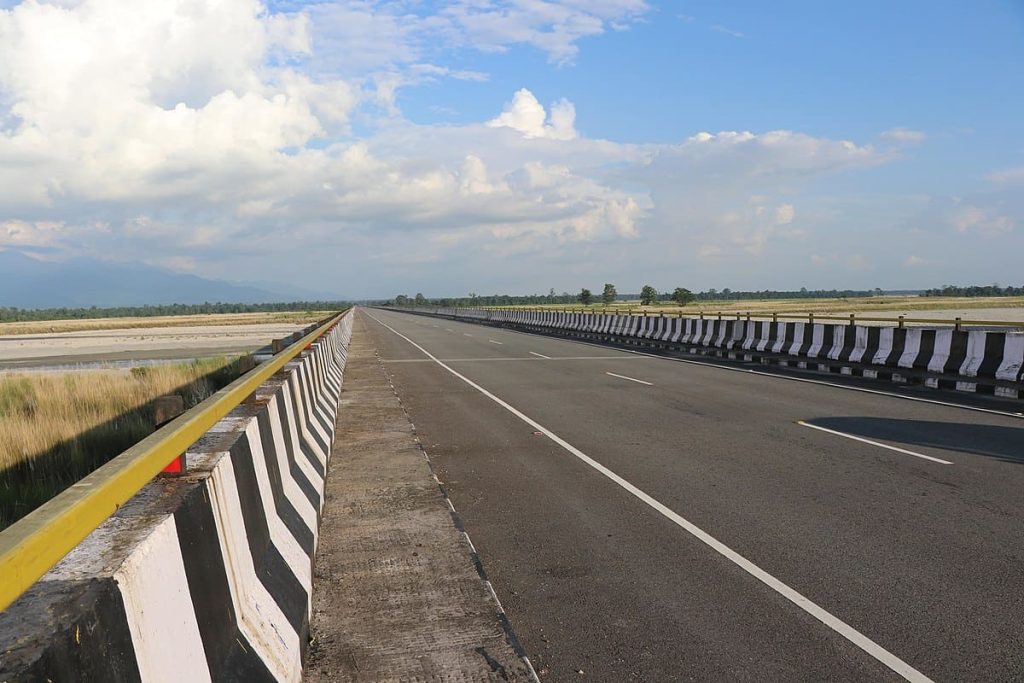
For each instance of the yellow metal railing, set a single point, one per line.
(850, 319)
(38, 541)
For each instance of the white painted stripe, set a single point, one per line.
(448, 329)
(466, 334)
(631, 379)
(494, 342)
(540, 355)
(875, 443)
(283, 539)
(303, 506)
(258, 616)
(158, 608)
(853, 635)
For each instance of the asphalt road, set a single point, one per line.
(653, 520)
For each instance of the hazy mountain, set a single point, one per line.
(30, 283)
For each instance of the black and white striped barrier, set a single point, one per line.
(203, 577)
(969, 360)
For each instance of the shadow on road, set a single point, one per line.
(1002, 443)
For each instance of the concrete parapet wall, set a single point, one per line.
(203, 577)
(994, 358)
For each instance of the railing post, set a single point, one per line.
(810, 318)
(957, 324)
(852, 319)
(775, 317)
(901, 322)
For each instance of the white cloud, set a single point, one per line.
(914, 261)
(784, 214)
(728, 31)
(975, 219)
(526, 115)
(903, 135)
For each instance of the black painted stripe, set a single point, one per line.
(995, 345)
(307, 487)
(926, 351)
(285, 510)
(271, 568)
(229, 655)
(95, 644)
(808, 340)
(899, 345)
(874, 341)
(304, 441)
(957, 352)
(849, 342)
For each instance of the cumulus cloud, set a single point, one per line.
(206, 134)
(526, 115)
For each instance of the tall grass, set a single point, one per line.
(57, 428)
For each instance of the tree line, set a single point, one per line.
(974, 290)
(30, 314)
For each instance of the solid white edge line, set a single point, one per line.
(874, 443)
(842, 628)
(540, 355)
(631, 379)
(490, 340)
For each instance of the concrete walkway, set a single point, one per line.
(397, 595)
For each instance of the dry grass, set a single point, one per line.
(56, 428)
(866, 305)
(212, 319)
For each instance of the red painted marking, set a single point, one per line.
(176, 466)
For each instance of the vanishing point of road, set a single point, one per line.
(648, 519)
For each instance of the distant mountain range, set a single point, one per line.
(27, 282)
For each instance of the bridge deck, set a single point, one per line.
(397, 595)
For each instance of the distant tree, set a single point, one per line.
(585, 296)
(608, 295)
(551, 295)
(420, 299)
(648, 295)
(682, 296)
(401, 300)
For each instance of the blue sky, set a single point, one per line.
(368, 147)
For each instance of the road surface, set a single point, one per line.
(654, 520)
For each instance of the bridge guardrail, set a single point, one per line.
(852, 318)
(38, 541)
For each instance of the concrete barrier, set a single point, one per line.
(206, 576)
(975, 360)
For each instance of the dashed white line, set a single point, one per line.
(827, 618)
(631, 379)
(448, 329)
(540, 355)
(494, 342)
(875, 443)
(466, 334)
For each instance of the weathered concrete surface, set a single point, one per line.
(397, 595)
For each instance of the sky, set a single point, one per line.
(367, 148)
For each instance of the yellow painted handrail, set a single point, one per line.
(38, 541)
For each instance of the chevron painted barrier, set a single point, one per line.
(203, 577)
(969, 360)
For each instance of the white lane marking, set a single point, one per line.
(850, 633)
(540, 355)
(466, 334)
(875, 443)
(494, 342)
(749, 371)
(631, 379)
(448, 329)
(503, 359)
